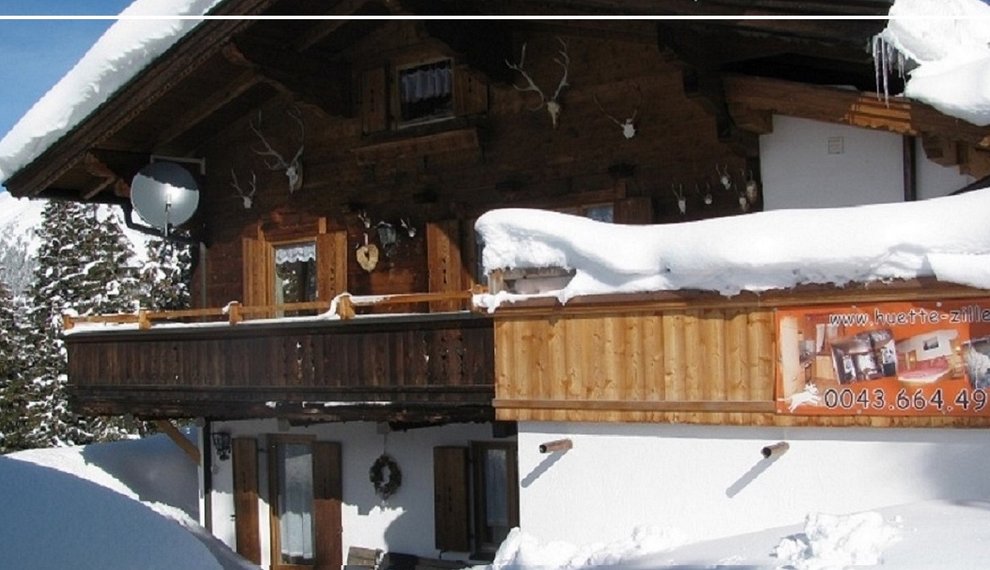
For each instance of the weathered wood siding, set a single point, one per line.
(495, 152)
(433, 364)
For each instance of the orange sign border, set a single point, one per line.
(903, 358)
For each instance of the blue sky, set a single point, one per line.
(35, 54)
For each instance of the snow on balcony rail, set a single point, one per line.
(343, 307)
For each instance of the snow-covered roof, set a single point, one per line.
(954, 76)
(947, 238)
(945, 45)
(128, 46)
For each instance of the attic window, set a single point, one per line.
(426, 92)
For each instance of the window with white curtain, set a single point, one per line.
(426, 91)
(294, 501)
(295, 272)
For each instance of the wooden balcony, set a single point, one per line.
(701, 358)
(412, 368)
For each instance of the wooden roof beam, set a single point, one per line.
(323, 84)
(108, 177)
(325, 28)
(207, 106)
(834, 105)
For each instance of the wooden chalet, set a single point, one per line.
(407, 129)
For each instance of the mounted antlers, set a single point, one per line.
(293, 168)
(629, 125)
(553, 106)
(248, 198)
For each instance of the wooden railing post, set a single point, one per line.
(67, 322)
(345, 307)
(143, 321)
(234, 313)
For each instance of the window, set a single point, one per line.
(304, 497)
(604, 212)
(425, 92)
(293, 269)
(476, 497)
(496, 502)
(292, 503)
(295, 272)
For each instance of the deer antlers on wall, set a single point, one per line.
(248, 198)
(628, 126)
(552, 104)
(293, 168)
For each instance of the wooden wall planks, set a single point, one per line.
(696, 366)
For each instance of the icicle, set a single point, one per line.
(880, 66)
(883, 63)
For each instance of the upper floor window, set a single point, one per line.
(604, 212)
(295, 272)
(426, 92)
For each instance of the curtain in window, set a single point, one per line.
(426, 82)
(295, 502)
(292, 253)
(496, 490)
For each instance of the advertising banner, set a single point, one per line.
(892, 359)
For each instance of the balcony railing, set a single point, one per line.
(418, 368)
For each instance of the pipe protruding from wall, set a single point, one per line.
(775, 450)
(556, 445)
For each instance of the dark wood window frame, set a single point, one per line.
(259, 264)
(274, 477)
(483, 543)
(327, 502)
(310, 272)
(422, 65)
(460, 511)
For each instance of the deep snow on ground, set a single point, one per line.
(928, 535)
(123, 505)
(126, 505)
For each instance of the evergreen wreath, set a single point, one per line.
(383, 488)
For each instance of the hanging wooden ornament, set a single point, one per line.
(367, 256)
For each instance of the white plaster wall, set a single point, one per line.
(712, 481)
(405, 524)
(935, 180)
(798, 171)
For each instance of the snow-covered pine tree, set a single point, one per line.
(84, 266)
(166, 275)
(13, 366)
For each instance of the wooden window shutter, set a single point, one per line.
(443, 252)
(331, 259)
(327, 505)
(259, 279)
(470, 91)
(374, 101)
(635, 210)
(469, 255)
(451, 513)
(245, 465)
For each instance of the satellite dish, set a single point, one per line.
(164, 194)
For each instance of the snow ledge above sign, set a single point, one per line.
(947, 238)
